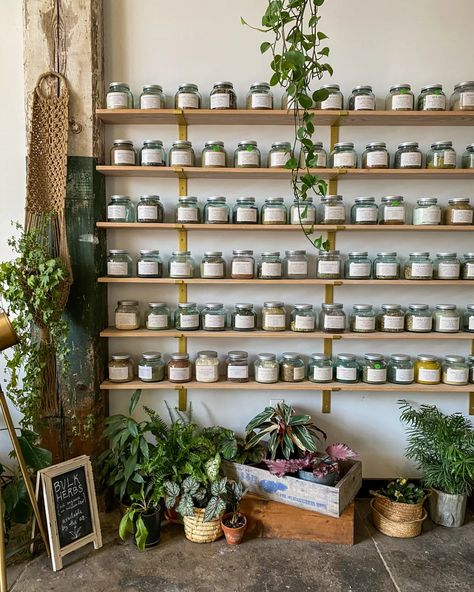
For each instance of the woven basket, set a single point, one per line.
(198, 531)
(396, 511)
(402, 530)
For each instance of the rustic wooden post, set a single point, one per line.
(67, 36)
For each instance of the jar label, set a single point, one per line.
(426, 375)
(335, 213)
(394, 213)
(449, 270)
(181, 158)
(461, 216)
(116, 212)
(212, 158)
(212, 270)
(297, 268)
(271, 269)
(359, 269)
(376, 374)
(147, 268)
(429, 215)
(216, 321)
(207, 373)
(343, 373)
(242, 268)
(321, 374)
(364, 323)
(334, 322)
(443, 323)
(126, 319)
(435, 102)
(421, 323)
(459, 375)
(217, 214)
(145, 372)
(271, 214)
(344, 159)
(404, 102)
(120, 373)
(274, 321)
(409, 159)
(366, 214)
(393, 322)
(123, 156)
(279, 158)
(157, 321)
(117, 268)
(147, 212)
(246, 214)
(117, 100)
(386, 270)
(187, 214)
(421, 269)
(178, 374)
(321, 159)
(471, 323)
(404, 374)
(469, 270)
(364, 102)
(150, 102)
(305, 212)
(246, 157)
(261, 101)
(298, 373)
(187, 101)
(449, 157)
(266, 374)
(304, 322)
(238, 372)
(377, 158)
(178, 269)
(189, 321)
(330, 267)
(467, 99)
(152, 156)
(334, 101)
(244, 321)
(220, 101)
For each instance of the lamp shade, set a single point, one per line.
(8, 337)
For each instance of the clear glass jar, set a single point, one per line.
(408, 156)
(182, 154)
(343, 156)
(273, 316)
(181, 265)
(375, 156)
(392, 210)
(419, 266)
(247, 154)
(149, 264)
(245, 211)
(243, 317)
(427, 369)
(467, 266)
(302, 318)
(432, 98)
(334, 100)
(418, 318)
(362, 99)
(391, 319)
(462, 98)
(468, 157)
(213, 317)
(446, 319)
(150, 209)
(187, 97)
(259, 96)
(152, 153)
(216, 211)
(386, 266)
(303, 212)
(400, 369)
(470, 363)
(151, 367)
(206, 366)
(157, 317)
(237, 366)
(458, 212)
(320, 368)
(270, 266)
(447, 266)
(120, 368)
(127, 315)
(332, 210)
(242, 266)
(123, 153)
(427, 211)
(223, 96)
(364, 211)
(328, 265)
(292, 367)
(266, 368)
(179, 367)
(441, 156)
(187, 211)
(279, 155)
(214, 154)
(152, 97)
(346, 369)
(358, 266)
(296, 264)
(273, 211)
(332, 318)
(319, 160)
(186, 317)
(362, 318)
(374, 369)
(119, 96)
(455, 371)
(120, 209)
(213, 265)
(119, 263)
(400, 98)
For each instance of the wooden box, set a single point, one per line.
(305, 495)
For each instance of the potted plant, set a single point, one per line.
(442, 447)
(234, 522)
(324, 467)
(142, 518)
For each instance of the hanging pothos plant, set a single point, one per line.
(298, 58)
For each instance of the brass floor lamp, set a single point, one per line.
(8, 338)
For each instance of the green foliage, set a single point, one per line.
(442, 447)
(193, 493)
(403, 492)
(235, 493)
(132, 521)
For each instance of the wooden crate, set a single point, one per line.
(305, 495)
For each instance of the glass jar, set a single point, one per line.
(358, 266)
(119, 96)
(179, 368)
(441, 156)
(328, 265)
(364, 211)
(187, 97)
(273, 211)
(455, 371)
(273, 316)
(216, 211)
(332, 210)
(347, 369)
(266, 368)
(270, 266)
(362, 99)
(279, 155)
(427, 211)
(391, 319)
(213, 265)
(206, 366)
(152, 97)
(120, 209)
(332, 318)
(462, 98)
(243, 317)
(181, 265)
(408, 156)
(470, 363)
(427, 369)
(119, 263)
(120, 368)
(242, 266)
(123, 153)
(223, 96)
(187, 210)
(151, 367)
(320, 368)
(213, 317)
(467, 267)
(302, 318)
(182, 154)
(296, 264)
(375, 156)
(237, 366)
(418, 318)
(343, 156)
(247, 155)
(186, 317)
(419, 266)
(459, 212)
(432, 98)
(319, 160)
(303, 212)
(292, 367)
(386, 266)
(150, 209)
(400, 369)
(214, 154)
(245, 211)
(362, 319)
(259, 96)
(400, 98)
(127, 316)
(334, 100)
(149, 264)
(447, 266)
(392, 210)
(468, 157)
(152, 153)
(157, 317)
(374, 369)
(446, 319)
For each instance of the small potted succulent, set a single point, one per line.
(325, 468)
(234, 522)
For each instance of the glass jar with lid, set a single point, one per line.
(243, 317)
(120, 209)
(364, 211)
(419, 266)
(292, 367)
(273, 211)
(462, 98)
(150, 209)
(123, 153)
(408, 156)
(447, 266)
(247, 154)
(400, 98)
(358, 266)
(214, 154)
(120, 368)
(467, 266)
(186, 317)
(182, 154)
(259, 96)
(455, 371)
(181, 265)
(320, 368)
(332, 210)
(392, 210)
(223, 96)
(242, 266)
(391, 319)
(441, 156)
(446, 319)
(302, 318)
(468, 157)
(119, 263)
(216, 211)
(152, 153)
(432, 98)
(279, 155)
(270, 266)
(213, 317)
(187, 210)
(334, 100)
(375, 156)
(386, 266)
(418, 318)
(303, 212)
(362, 99)
(362, 318)
(152, 97)
(427, 369)
(296, 264)
(157, 317)
(245, 211)
(374, 369)
(213, 265)
(187, 97)
(470, 363)
(346, 369)
(119, 96)
(127, 315)
(319, 159)
(149, 264)
(459, 212)
(400, 369)
(328, 265)
(266, 368)
(206, 366)
(427, 211)
(179, 367)
(273, 316)
(343, 156)
(151, 367)
(237, 366)
(332, 318)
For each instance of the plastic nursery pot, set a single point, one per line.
(153, 525)
(329, 479)
(233, 536)
(447, 509)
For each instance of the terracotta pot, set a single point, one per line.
(233, 536)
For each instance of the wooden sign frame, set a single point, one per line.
(45, 476)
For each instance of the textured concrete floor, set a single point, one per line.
(441, 560)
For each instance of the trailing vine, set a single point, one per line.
(298, 58)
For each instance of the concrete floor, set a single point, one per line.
(441, 560)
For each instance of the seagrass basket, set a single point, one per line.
(198, 531)
(396, 511)
(403, 529)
